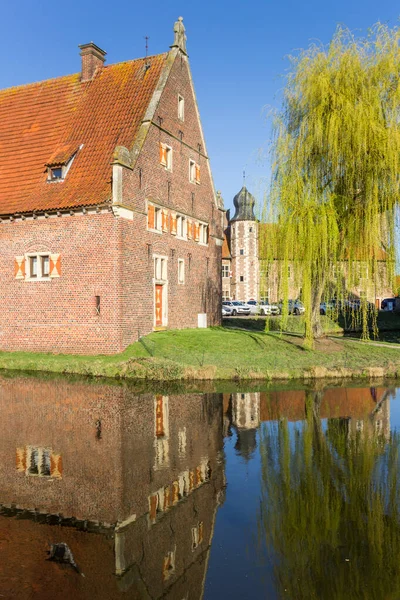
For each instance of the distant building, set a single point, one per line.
(248, 276)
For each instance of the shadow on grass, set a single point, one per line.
(388, 326)
(250, 326)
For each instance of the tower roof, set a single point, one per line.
(244, 206)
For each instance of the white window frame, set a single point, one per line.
(203, 234)
(168, 157)
(181, 227)
(39, 268)
(225, 271)
(160, 268)
(192, 170)
(181, 271)
(158, 218)
(158, 210)
(181, 107)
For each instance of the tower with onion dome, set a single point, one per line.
(245, 282)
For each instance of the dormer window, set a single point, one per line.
(56, 173)
(60, 162)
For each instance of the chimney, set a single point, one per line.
(93, 57)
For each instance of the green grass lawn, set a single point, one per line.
(235, 351)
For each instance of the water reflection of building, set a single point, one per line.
(244, 414)
(143, 473)
(362, 410)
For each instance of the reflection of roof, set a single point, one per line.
(336, 402)
(45, 123)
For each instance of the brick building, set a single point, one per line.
(109, 222)
(246, 275)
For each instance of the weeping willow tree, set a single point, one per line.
(330, 509)
(335, 185)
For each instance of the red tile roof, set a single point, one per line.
(46, 123)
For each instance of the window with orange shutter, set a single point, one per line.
(42, 266)
(166, 156)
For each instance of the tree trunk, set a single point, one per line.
(317, 289)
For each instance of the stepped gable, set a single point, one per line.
(50, 122)
(244, 206)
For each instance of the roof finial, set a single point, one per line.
(146, 37)
(244, 178)
(179, 35)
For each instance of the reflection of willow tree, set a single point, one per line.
(330, 511)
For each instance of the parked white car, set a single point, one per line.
(226, 311)
(254, 307)
(238, 308)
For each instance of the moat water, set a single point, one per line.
(108, 491)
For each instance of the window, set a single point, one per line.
(197, 535)
(154, 217)
(160, 268)
(181, 270)
(56, 173)
(166, 156)
(203, 233)
(241, 278)
(97, 300)
(182, 442)
(38, 266)
(181, 229)
(289, 272)
(194, 172)
(168, 565)
(58, 167)
(161, 431)
(225, 270)
(157, 218)
(250, 229)
(42, 462)
(241, 252)
(181, 108)
(33, 262)
(225, 295)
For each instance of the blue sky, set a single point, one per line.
(237, 53)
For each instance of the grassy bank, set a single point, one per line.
(235, 351)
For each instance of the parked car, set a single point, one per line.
(238, 308)
(226, 311)
(269, 309)
(295, 307)
(388, 303)
(254, 307)
(274, 308)
(325, 307)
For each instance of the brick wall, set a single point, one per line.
(59, 315)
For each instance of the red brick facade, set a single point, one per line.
(105, 295)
